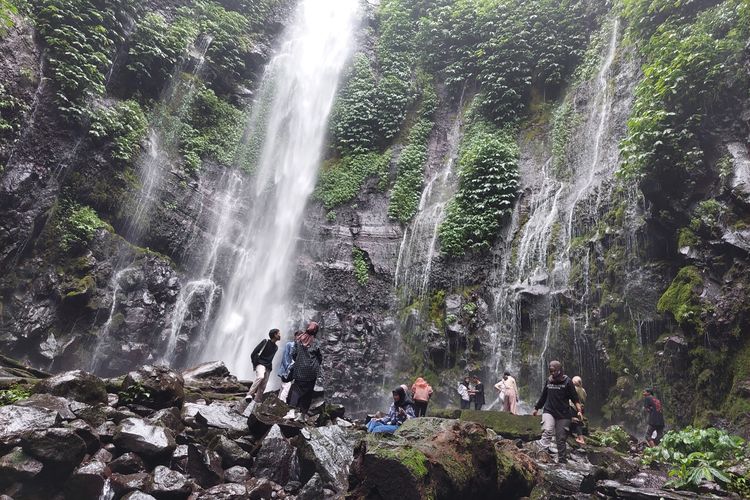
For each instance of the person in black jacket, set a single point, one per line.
(307, 361)
(262, 359)
(478, 394)
(655, 417)
(557, 414)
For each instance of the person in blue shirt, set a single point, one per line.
(286, 368)
(400, 411)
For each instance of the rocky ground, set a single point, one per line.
(156, 433)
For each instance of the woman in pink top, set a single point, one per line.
(508, 388)
(421, 392)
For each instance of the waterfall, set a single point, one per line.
(533, 276)
(304, 74)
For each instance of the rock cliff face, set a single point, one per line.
(631, 284)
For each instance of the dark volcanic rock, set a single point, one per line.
(50, 402)
(134, 434)
(277, 459)
(221, 415)
(18, 420)
(209, 370)
(127, 463)
(312, 490)
(236, 474)
(328, 451)
(169, 418)
(123, 483)
(169, 484)
(57, 445)
(224, 492)
(137, 495)
(85, 432)
(78, 385)
(18, 466)
(231, 453)
(268, 413)
(204, 466)
(87, 481)
(161, 387)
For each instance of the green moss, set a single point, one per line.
(361, 269)
(341, 180)
(84, 286)
(682, 299)
(736, 406)
(505, 424)
(687, 238)
(411, 458)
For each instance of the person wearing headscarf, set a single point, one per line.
(400, 411)
(578, 425)
(509, 393)
(421, 392)
(307, 361)
(557, 414)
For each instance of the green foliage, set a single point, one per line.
(13, 395)
(614, 437)
(564, 120)
(124, 125)
(11, 112)
(7, 10)
(693, 74)
(682, 298)
(76, 225)
(488, 185)
(134, 394)
(155, 48)
(698, 455)
(354, 123)
(508, 47)
(341, 180)
(361, 269)
(646, 16)
(80, 36)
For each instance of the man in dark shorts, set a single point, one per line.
(654, 417)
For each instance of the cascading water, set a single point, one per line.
(533, 278)
(305, 74)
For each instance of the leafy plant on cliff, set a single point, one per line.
(341, 180)
(361, 269)
(13, 395)
(11, 112)
(682, 298)
(76, 225)
(124, 125)
(80, 36)
(488, 185)
(7, 10)
(354, 117)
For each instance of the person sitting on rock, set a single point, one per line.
(421, 392)
(287, 367)
(578, 425)
(262, 359)
(557, 393)
(400, 411)
(463, 392)
(655, 417)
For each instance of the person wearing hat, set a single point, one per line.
(307, 361)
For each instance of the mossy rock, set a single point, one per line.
(507, 425)
(444, 413)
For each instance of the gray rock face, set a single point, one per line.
(138, 495)
(224, 492)
(78, 385)
(165, 387)
(312, 490)
(18, 420)
(330, 451)
(277, 459)
(231, 453)
(211, 369)
(49, 402)
(59, 445)
(740, 170)
(87, 481)
(123, 483)
(204, 466)
(219, 415)
(136, 435)
(127, 463)
(18, 466)
(166, 483)
(236, 474)
(85, 432)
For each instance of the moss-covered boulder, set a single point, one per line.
(77, 385)
(438, 458)
(509, 426)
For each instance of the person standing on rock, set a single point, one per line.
(508, 393)
(262, 359)
(555, 400)
(400, 411)
(287, 367)
(307, 361)
(463, 392)
(579, 424)
(422, 392)
(654, 417)
(478, 394)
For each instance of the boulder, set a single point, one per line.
(18, 466)
(87, 481)
(260, 489)
(78, 385)
(18, 420)
(313, 490)
(155, 387)
(50, 402)
(136, 435)
(231, 453)
(613, 489)
(220, 415)
(137, 495)
(204, 466)
(169, 418)
(270, 412)
(127, 463)
(437, 458)
(568, 480)
(85, 432)
(179, 459)
(236, 474)
(327, 451)
(57, 445)
(169, 484)
(208, 370)
(124, 483)
(277, 459)
(507, 425)
(224, 492)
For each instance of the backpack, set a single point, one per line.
(306, 364)
(255, 356)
